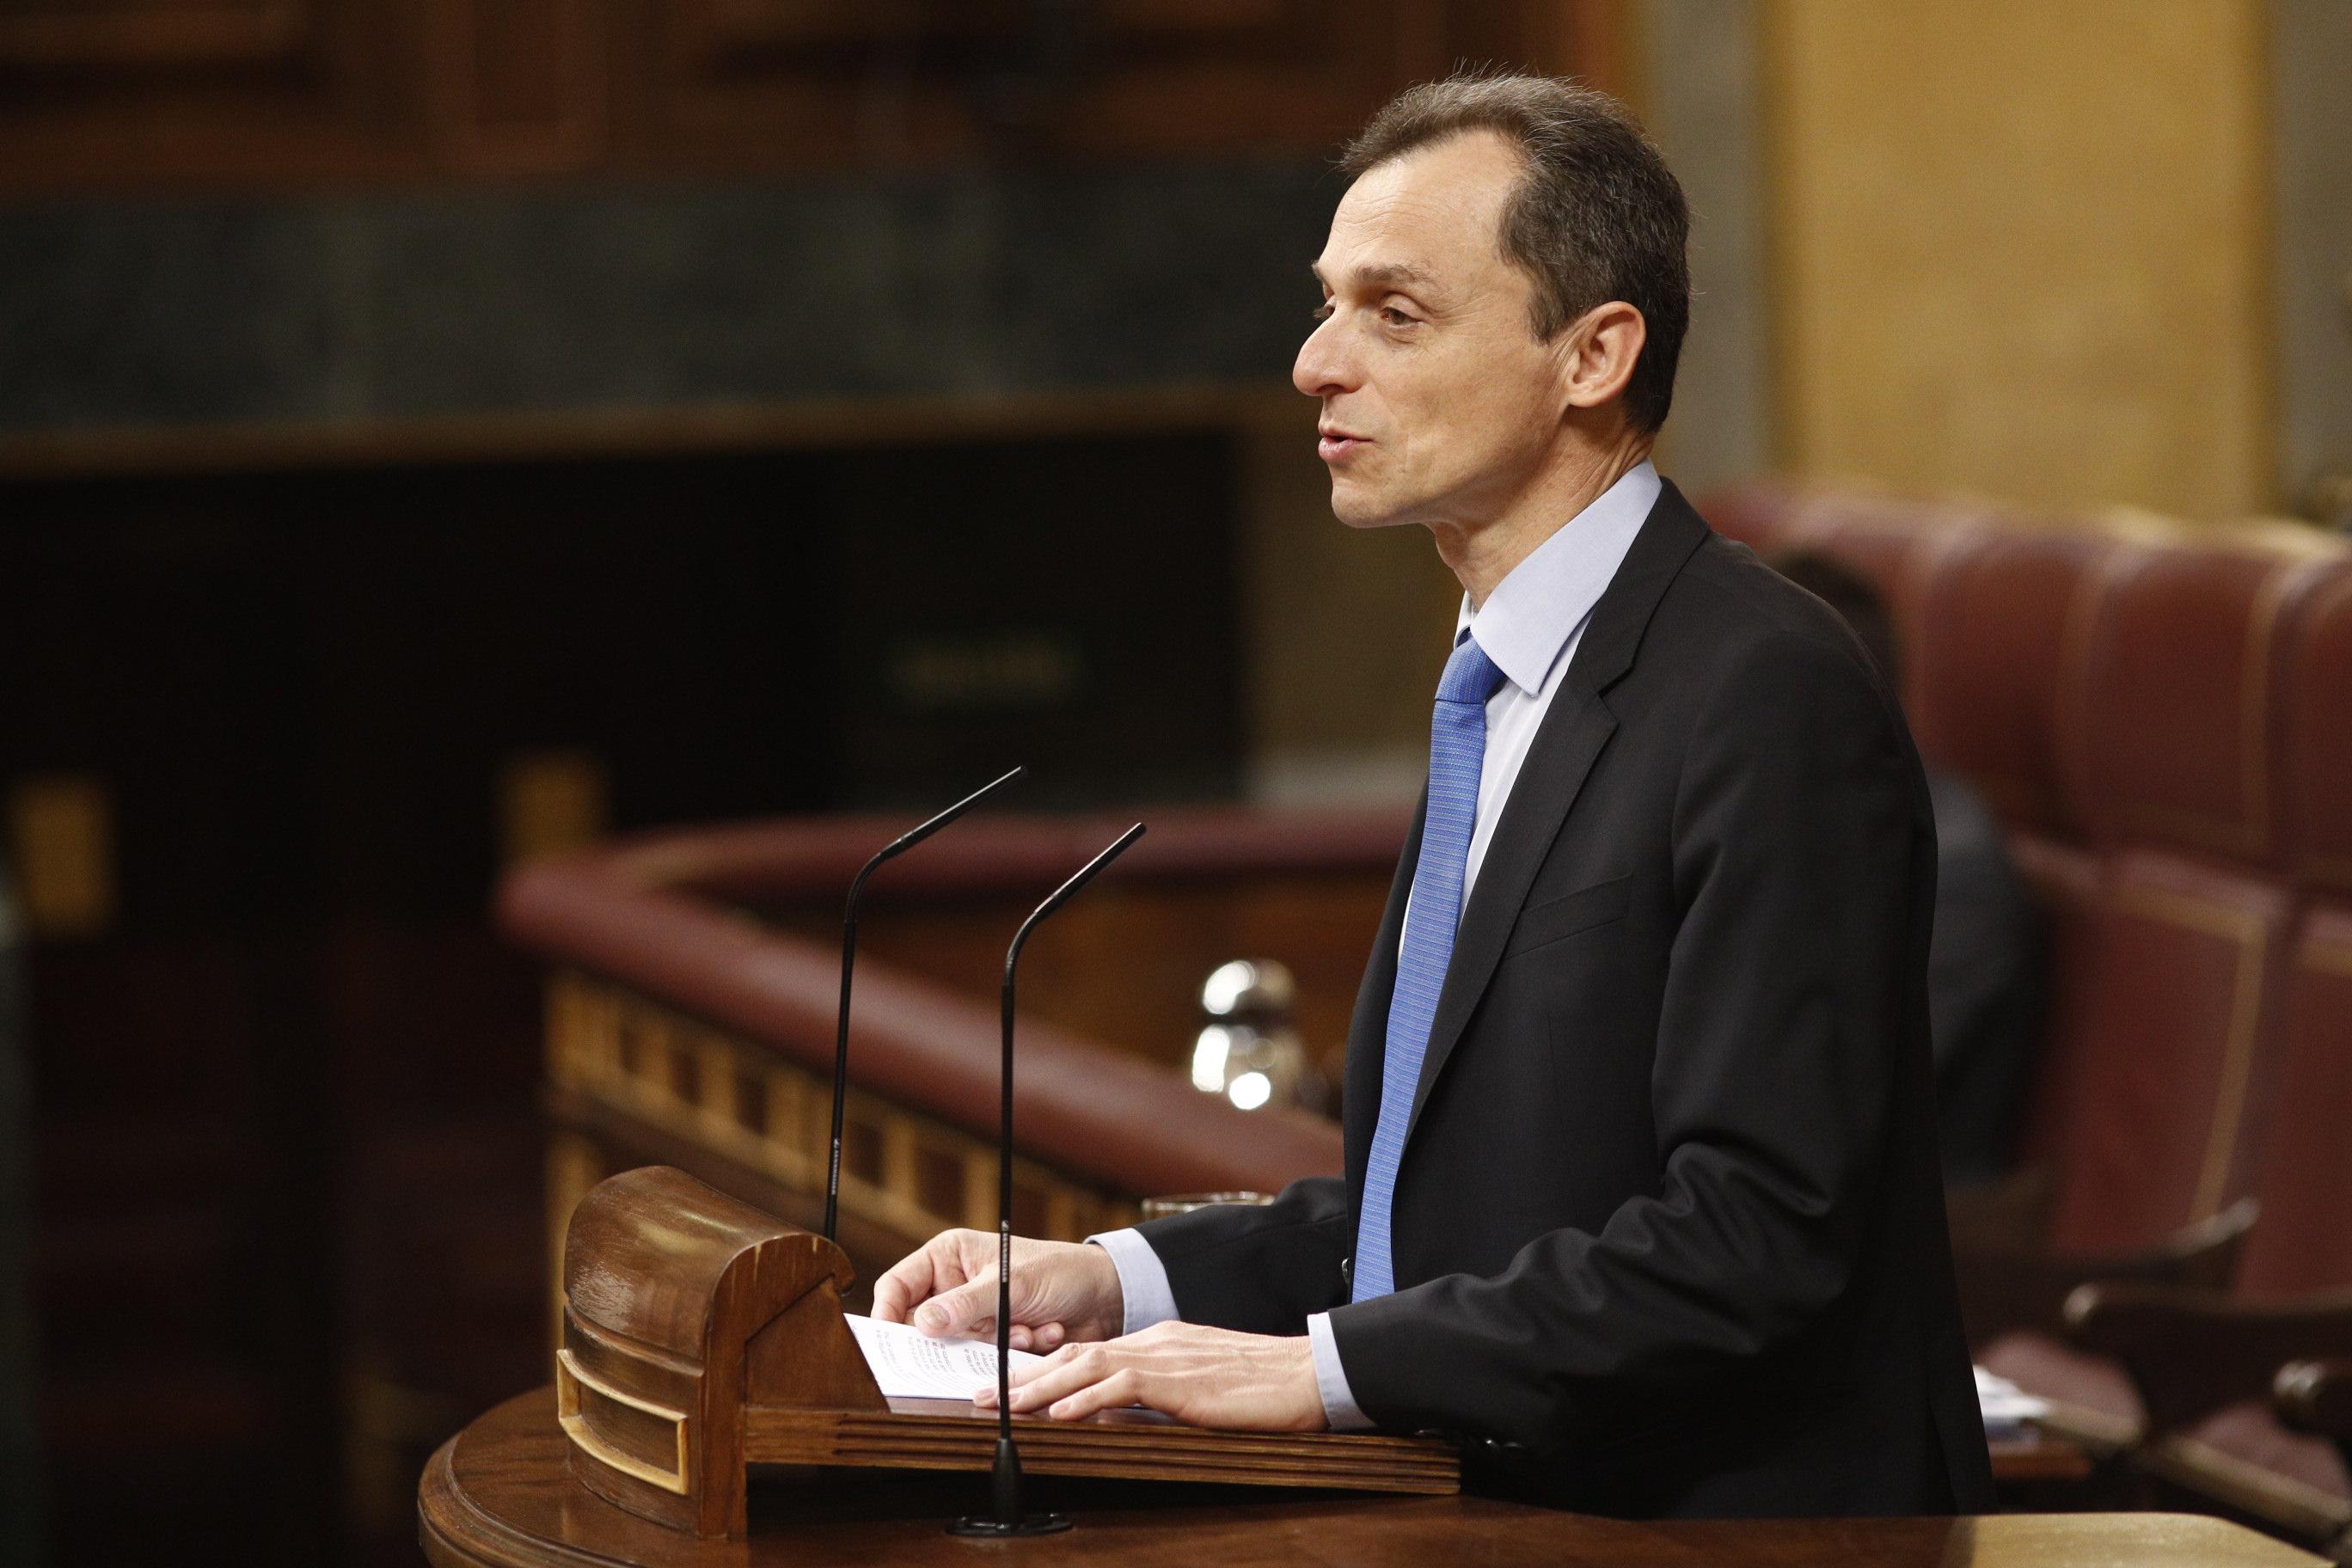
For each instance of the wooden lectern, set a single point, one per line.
(700, 1335)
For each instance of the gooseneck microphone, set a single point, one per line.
(1004, 1483)
(896, 847)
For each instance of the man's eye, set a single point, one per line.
(1396, 318)
(1322, 312)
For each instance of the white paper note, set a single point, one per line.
(910, 1364)
(2006, 1407)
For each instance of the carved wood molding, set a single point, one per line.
(141, 94)
(521, 86)
(147, 32)
(901, 1171)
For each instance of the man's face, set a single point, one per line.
(1438, 404)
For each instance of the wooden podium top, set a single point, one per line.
(499, 1495)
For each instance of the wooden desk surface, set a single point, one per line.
(497, 1493)
(2035, 1456)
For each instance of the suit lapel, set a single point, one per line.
(1574, 732)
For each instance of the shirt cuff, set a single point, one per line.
(1142, 1279)
(1339, 1408)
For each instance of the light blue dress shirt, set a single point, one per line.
(1530, 625)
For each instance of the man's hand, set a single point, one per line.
(1062, 1290)
(1202, 1376)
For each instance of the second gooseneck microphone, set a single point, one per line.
(896, 847)
(1005, 1516)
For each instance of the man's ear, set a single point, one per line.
(1600, 350)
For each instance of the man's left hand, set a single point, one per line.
(1202, 1376)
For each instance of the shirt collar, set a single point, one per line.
(1533, 612)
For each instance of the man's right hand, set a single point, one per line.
(1063, 1291)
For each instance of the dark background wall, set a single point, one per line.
(419, 306)
(285, 1086)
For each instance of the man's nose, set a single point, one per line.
(1322, 368)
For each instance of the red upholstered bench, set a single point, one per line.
(2163, 717)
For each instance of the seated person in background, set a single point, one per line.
(1985, 960)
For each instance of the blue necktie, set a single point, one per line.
(1457, 748)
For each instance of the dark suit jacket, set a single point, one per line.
(1669, 1229)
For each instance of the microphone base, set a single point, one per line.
(1007, 1519)
(987, 1527)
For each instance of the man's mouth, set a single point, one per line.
(1333, 443)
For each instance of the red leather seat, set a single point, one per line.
(2303, 1246)
(2317, 769)
(2157, 857)
(2176, 699)
(2142, 1109)
(1990, 637)
(2303, 1243)
(2163, 717)
(1989, 644)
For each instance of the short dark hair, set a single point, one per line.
(1598, 215)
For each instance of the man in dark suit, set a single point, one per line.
(1641, 1192)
